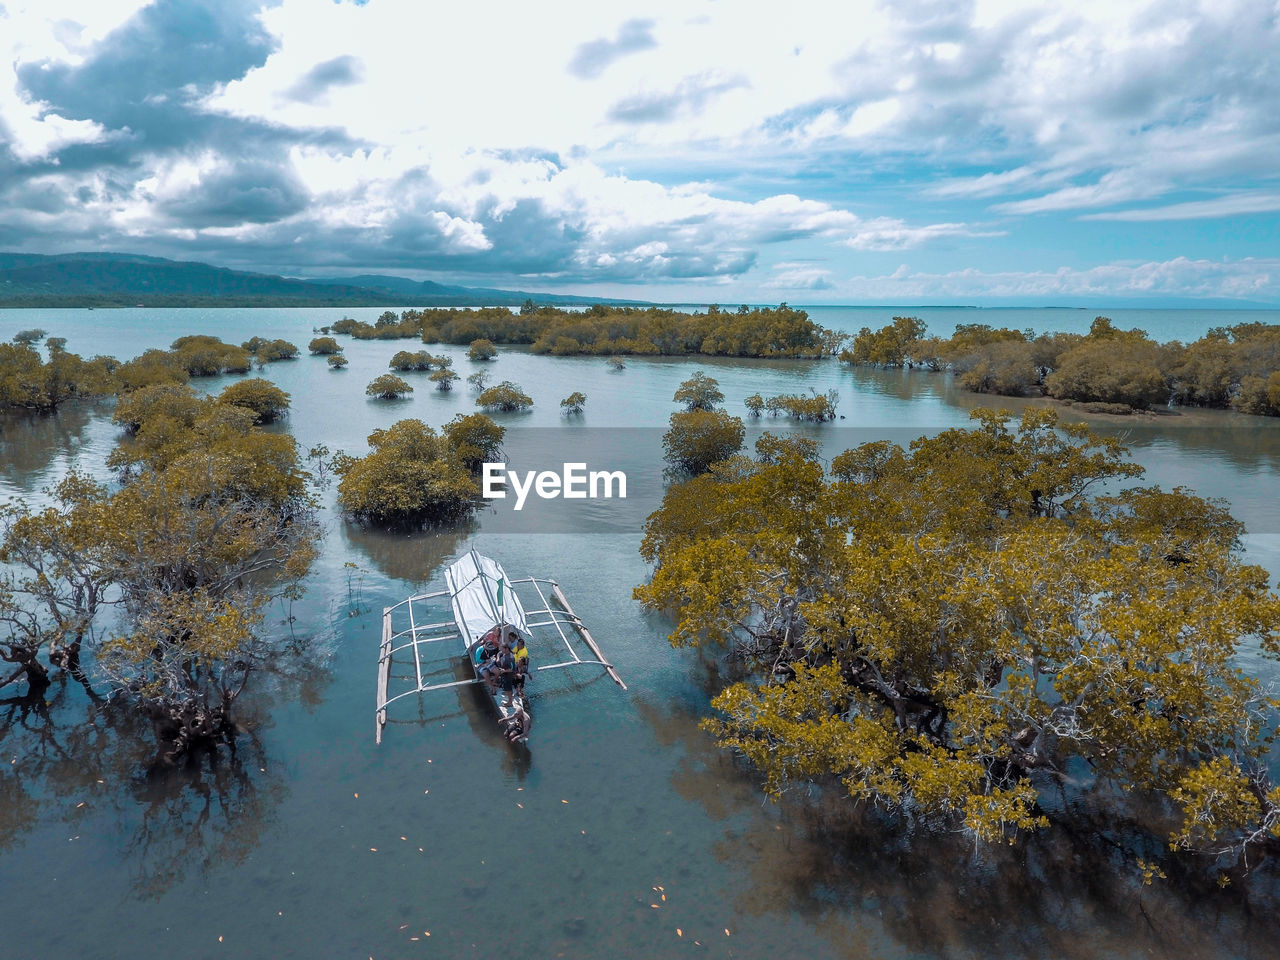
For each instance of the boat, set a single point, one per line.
(484, 606)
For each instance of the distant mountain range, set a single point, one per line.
(126, 280)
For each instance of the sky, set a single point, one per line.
(913, 151)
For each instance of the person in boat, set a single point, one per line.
(505, 673)
(519, 653)
(517, 726)
(487, 652)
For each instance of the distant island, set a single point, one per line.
(127, 280)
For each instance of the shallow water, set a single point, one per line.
(314, 842)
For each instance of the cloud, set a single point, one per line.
(593, 58)
(1255, 279)
(690, 97)
(1114, 187)
(304, 135)
(169, 47)
(798, 276)
(1233, 205)
(236, 193)
(344, 71)
(888, 233)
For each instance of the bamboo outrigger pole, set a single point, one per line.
(586, 634)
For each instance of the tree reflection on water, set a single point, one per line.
(876, 884)
(34, 445)
(412, 557)
(90, 762)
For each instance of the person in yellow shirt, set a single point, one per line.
(520, 653)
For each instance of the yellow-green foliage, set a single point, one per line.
(405, 360)
(698, 438)
(505, 396)
(171, 426)
(204, 356)
(213, 518)
(387, 327)
(953, 628)
(175, 401)
(1004, 366)
(388, 387)
(574, 402)
(482, 349)
(1113, 369)
(269, 351)
(890, 346)
(444, 379)
(197, 356)
(324, 346)
(475, 439)
(768, 332)
(267, 401)
(817, 408)
(699, 392)
(151, 367)
(27, 381)
(1237, 367)
(412, 476)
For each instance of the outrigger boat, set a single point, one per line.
(484, 605)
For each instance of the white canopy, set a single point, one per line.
(482, 597)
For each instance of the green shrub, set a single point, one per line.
(698, 438)
(388, 387)
(324, 346)
(699, 392)
(574, 402)
(412, 476)
(267, 401)
(444, 380)
(506, 396)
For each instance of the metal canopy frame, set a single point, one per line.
(412, 644)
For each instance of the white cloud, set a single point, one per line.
(798, 276)
(568, 142)
(34, 32)
(1107, 102)
(1248, 279)
(1233, 205)
(887, 233)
